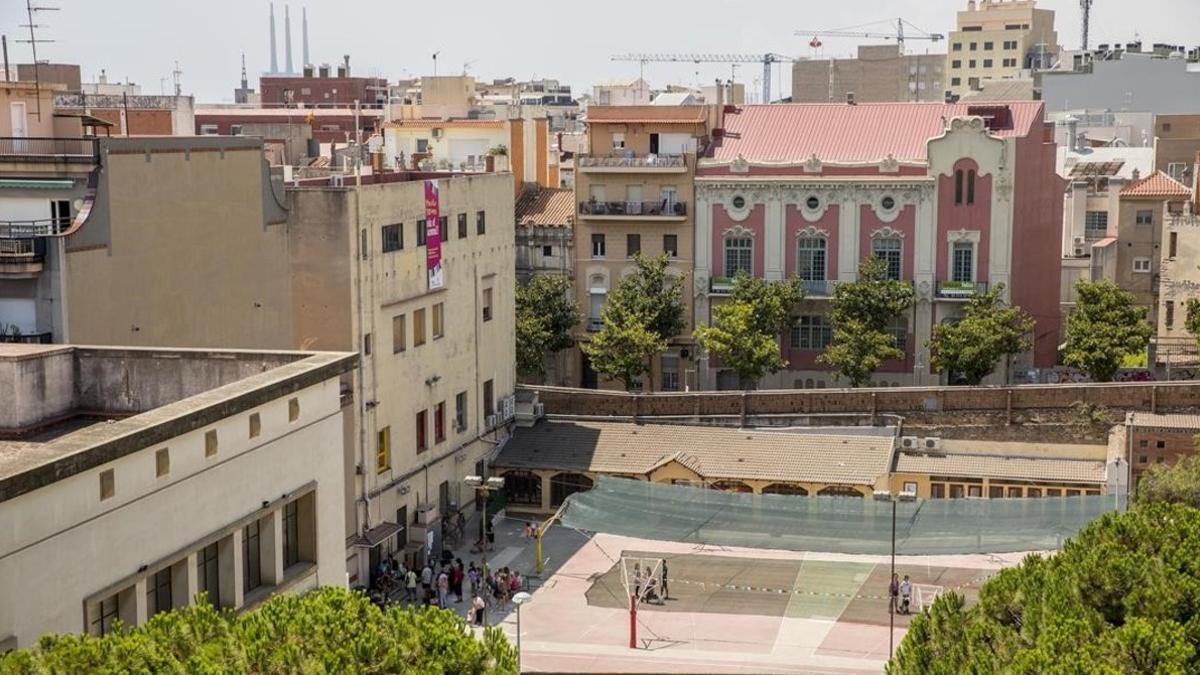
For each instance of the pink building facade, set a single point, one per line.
(956, 198)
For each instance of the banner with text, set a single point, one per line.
(433, 235)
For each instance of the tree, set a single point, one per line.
(1177, 484)
(746, 327)
(861, 313)
(988, 331)
(1191, 320)
(1103, 329)
(1123, 596)
(641, 314)
(329, 630)
(546, 313)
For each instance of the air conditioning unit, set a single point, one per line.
(508, 408)
(909, 442)
(933, 443)
(337, 180)
(1079, 241)
(491, 422)
(1080, 251)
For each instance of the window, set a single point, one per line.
(393, 237)
(739, 252)
(489, 405)
(988, 45)
(899, 330)
(956, 63)
(739, 202)
(1173, 244)
(487, 304)
(955, 81)
(812, 333)
(813, 203)
(208, 574)
(987, 63)
(443, 223)
(1141, 264)
(158, 592)
(957, 47)
(958, 187)
(1166, 127)
(462, 226)
(595, 309)
(460, 411)
(888, 203)
(162, 462)
(890, 250)
(971, 186)
(1160, 444)
(1169, 313)
(422, 145)
(418, 327)
(255, 425)
(963, 262)
(547, 251)
(523, 487)
(106, 615)
(439, 320)
(480, 222)
(597, 246)
(633, 245)
(367, 344)
(1010, 63)
(671, 245)
(1010, 44)
(383, 450)
(291, 534)
(1095, 224)
(251, 558)
(564, 485)
(937, 490)
(439, 422)
(810, 258)
(995, 492)
(422, 440)
(210, 443)
(399, 343)
(971, 64)
(421, 232)
(974, 46)
(670, 372)
(618, 141)
(293, 409)
(1176, 169)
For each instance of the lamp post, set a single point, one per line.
(518, 600)
(887, 496)
(485, 488)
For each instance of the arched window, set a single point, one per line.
(785, 489)
(730, 486)
(839, 491)
(810, 258)
(739, 255)
(971, 186)
(523, 487)
(958, 187)
(564, 485)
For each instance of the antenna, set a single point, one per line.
(34, 41)
(435, 55)
(175, 74)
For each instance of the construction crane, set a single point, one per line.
(1086, 7)
(898, 36)
(765, 59)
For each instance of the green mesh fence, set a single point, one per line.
(830, 524)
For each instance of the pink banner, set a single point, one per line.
(433, 235)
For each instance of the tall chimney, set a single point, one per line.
(287, 39)
(274, 59)
(304, 34)
(1072, 133)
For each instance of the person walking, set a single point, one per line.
(456, 579)
(443, 588)
(410, 584)
(894, 593)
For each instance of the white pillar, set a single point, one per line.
(774, 234)
(848, 225)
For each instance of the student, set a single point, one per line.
(905, 595)
(893, 593)
(528, 530)
(443, 589)
(664, 579)
(410, 583)
(478, 609)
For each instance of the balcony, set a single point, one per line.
(720, 285)
(594, 325)
(960, 290)
(629, 162)
(27, 338)
(84, 150)
(32, 229)
(21, 258)
(819, 289)
(656, 210)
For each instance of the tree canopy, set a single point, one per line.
(1176, 484)
(988, 331)
(1103, 329)
(1123, 596)
(1191, 320)
(745, 330)
(329, 630)
(546, 313)
(641, 314)
(861, 313)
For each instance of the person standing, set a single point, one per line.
(894, 593)
(479, 608)
(905, 595)
(664, 579)
(443, 588)
(456, 579)
(410, 584)
(426, 582)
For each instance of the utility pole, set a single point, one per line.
(30, 10)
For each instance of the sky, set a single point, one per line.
(141, 40)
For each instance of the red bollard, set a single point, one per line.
(633, 622)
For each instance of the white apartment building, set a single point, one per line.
(132, 480)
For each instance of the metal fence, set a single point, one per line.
(48, 147)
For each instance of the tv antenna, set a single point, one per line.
(31, 10)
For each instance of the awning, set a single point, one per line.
(378, 534)
(37, 183)
(86, 119)
(1107, 241)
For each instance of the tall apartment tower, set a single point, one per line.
(999, 40)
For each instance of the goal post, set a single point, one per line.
(641, 578)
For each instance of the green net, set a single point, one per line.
(648, 510)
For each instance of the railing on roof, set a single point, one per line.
(32, 229)
(28, 338)
(69, 148)
(631, 161)
(21, 249)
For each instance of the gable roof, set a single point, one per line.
(546, 207)
(837, 132)
(647, 114)
(712, 452)
(1157, 184)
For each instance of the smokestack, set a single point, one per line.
(274, 59)
(304, 34)
(287, 39)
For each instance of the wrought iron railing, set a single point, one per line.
(21, 248)
(961, 289)
(659, 209)
(49, 147)
(631, 161)
(32, 229)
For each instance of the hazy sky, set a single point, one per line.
(142, 39)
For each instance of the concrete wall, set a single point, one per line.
(878, 73)
(35, 387)
(1134, 82)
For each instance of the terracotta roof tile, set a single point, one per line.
(647, 114)
(1003, 467)
(546, 207)
(713, 452)
(866, 132)
(1157, 184)
(1176, 421)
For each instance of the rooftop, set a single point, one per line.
(1183, 422)
(647, 114)
(838, 132)
(712, 452)
(1126, 160)
(1156, 185)
(546, 207)
(1009, 467)
(69, 409)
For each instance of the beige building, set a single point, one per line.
(133, 480)
(878, 73)
(1179, 279)
(1177, 146)
(997, 40)
(634, 192)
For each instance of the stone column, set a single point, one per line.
(270, 532)
(774, 233)
(184, 581)
(848, 224)
(229, 564)
(131, 604)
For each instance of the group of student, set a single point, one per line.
(900, 593)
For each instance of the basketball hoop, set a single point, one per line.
(642, 580)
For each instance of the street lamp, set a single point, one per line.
(887, 496)
(485, 487)
(518, 600)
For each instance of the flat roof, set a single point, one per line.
(1011, 467)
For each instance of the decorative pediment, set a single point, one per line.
(963, 235)
(812, 164)
(889, 164)
(887, 232)
(738, 231)
(812, 232)
(739, 165)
